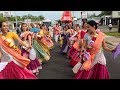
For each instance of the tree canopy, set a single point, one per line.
(105, 13)
(21, 18)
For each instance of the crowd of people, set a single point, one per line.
(84, 48)
(22, 53)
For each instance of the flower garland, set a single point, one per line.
(10, 44)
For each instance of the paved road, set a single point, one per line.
(106, 29)
(113, 66)
(58, 66)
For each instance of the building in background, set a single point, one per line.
(114, 18)
(84, 16)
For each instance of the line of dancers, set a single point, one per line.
(22, 55)
(84, 47)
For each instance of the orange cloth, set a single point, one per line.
(76, 45)
(94, 51)
(20, 59)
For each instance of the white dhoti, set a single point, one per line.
(56, 37)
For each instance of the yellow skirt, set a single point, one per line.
(45, 48)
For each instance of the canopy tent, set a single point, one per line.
(67, 16)
(47, 20)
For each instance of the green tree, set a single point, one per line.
(19, 18)
(3, 19)
(24, 17)
(30, 16)
(41, 17)
(1, 14)
(105, 13)
(12, 18)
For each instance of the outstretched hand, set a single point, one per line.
(28, 48)
(113, 50)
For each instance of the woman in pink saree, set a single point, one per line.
(94, 67)
(26, 36)
(45, 38)
(12, 64)
(74, 52)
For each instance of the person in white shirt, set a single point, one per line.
(57, 29)
(110, 27)
(51, 31)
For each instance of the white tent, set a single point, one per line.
(47, 20)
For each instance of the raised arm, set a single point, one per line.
(30, 39)
(22, 43)
(15, 36)
(105, 47)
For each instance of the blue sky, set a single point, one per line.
(53, 15)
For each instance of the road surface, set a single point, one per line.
(57, 67)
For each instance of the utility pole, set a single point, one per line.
(81, 18)
(27, 17)
(16, 20)
(73, 19)
(73, 14)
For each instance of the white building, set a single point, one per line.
(6, 13)
(111, 18)
(115, 14)
(106, 19)
(84, 15)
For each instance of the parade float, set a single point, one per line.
(66, 17)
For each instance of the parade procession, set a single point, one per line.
(76, 46)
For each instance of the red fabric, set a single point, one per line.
(82, 34)
(99, 71)
(57, 29)
(13, 71)
(66, 16)
(20, 59)
(75, 58)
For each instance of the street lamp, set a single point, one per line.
(27, 19)
(81, 18)
(27, 16)
(81, 15)
(73, 14)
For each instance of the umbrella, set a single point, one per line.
(116, 52)
(35, 30)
